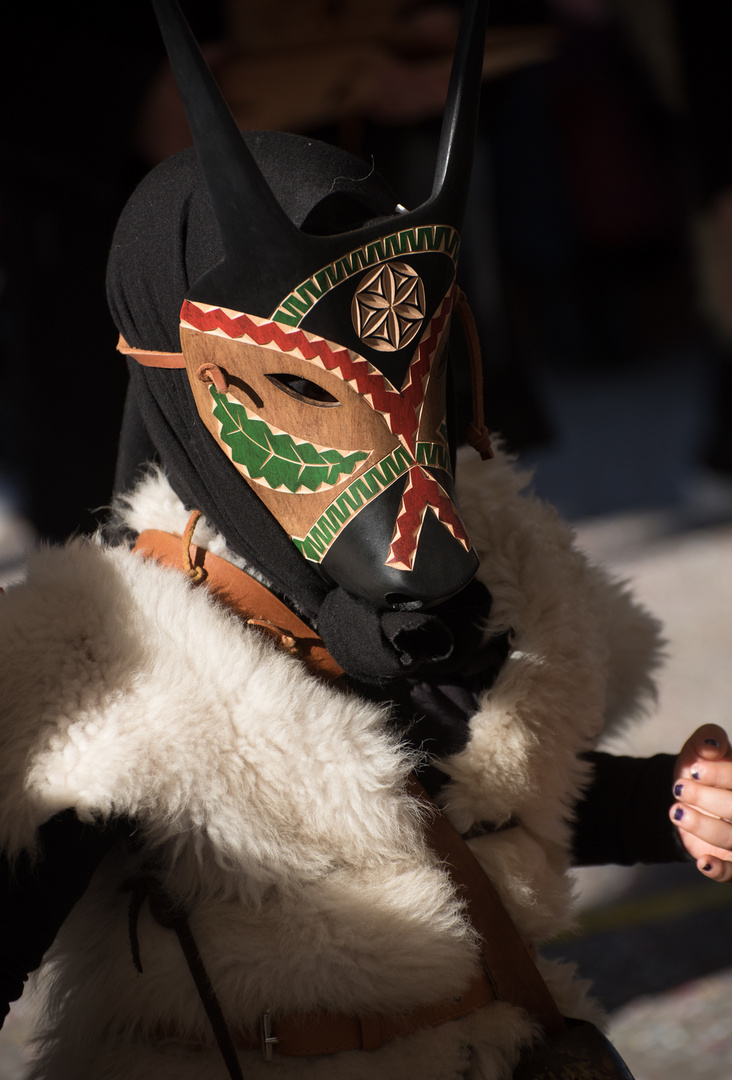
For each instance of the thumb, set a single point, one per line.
(708, 743)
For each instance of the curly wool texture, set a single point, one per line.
(274, 804)
(582, 650)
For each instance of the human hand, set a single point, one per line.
(703, 808)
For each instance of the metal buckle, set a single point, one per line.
(268, 1040)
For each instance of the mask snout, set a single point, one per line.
(357, 560)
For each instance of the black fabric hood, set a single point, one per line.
(166, 238)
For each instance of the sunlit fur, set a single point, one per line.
(273, 805)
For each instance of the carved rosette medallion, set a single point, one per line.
(388, 307)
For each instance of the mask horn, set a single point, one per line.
(263, 249)
(235, 183)
(460, 120)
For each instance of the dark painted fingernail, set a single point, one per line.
(678, 814)
(695, 773)
(707, 867)
(711, 742)
(677, 790)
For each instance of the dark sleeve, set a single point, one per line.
(623, 817)
(37, 894)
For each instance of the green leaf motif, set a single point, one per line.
(277, 459)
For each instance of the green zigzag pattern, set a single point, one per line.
(315, 545)
(441, 238)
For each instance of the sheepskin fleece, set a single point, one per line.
(274, 805)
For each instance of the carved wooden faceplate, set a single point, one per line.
(306, 452)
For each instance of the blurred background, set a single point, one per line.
(597, 256)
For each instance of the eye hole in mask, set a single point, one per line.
(304, 390)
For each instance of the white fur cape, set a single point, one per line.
(275, 804)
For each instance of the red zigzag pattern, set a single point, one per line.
(399, 408)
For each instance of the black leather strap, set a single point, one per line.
(170, 915)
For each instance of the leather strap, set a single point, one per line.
(509, 973)
(512, 971)
(476, 433)
(332, 1033)
(150, 358)
(254, 603)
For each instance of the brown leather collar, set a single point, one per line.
(240, 592)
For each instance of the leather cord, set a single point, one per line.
(476, 433)
(169, 915)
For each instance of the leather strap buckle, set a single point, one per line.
(267, 1039)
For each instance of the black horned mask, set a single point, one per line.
(318, 358)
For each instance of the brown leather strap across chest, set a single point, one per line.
(506, 959)
(507, 972)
